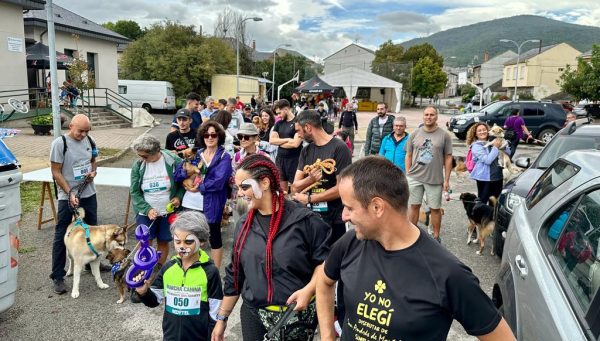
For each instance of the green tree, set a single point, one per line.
(584, 81)
(418, 52)
(429, 78)
(177, 53)
(127, 28)
(388, 57)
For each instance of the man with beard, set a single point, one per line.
(405, 286)
(185, 136)
(428, 167)
(324, 197)
(285, 137)
(380, 126)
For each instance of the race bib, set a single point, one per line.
(183, 301)
(81, 169)
(319, 206)
(156, 184)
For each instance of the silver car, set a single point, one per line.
(547, 286)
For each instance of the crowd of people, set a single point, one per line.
(292, 248)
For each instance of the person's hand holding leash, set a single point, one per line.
(152, 214)
(301, 297)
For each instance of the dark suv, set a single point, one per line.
(543, 119)
(576, 135)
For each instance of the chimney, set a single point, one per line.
(486, 56)
(254, 45)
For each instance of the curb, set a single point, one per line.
(120, 154)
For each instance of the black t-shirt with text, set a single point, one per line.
(409, 294)
(177, 141)
(334, 149)
(286, 129)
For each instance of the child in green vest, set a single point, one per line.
(189, 283)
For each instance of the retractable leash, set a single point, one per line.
(280, 325)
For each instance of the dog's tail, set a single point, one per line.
(493, 201)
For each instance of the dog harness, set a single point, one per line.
(86, 228)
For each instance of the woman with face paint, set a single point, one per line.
(278, 248)
(189, 283)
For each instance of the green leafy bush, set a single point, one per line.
(42, 120)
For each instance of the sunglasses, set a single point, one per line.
(245, 137)
(211, 136)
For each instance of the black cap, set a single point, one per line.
(183, 113)
(247, 106)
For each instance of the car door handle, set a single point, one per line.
(521, 265)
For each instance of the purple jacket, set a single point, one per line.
(515, 123)
(215, 186)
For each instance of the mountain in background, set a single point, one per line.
(474, 40)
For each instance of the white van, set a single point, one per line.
(158, 95)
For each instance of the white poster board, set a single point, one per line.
(462, 78)
(15, 44)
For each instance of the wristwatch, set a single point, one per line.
(222, 318)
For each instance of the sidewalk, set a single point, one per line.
(33, 152)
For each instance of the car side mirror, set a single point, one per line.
(523, 162)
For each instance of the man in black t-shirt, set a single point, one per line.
(185, 136)
(324, 197)
(399, 284)
(284, 135)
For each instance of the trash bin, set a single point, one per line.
(10, 216)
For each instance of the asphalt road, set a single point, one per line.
(40, 314)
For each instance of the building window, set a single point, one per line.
(91, 62)
(122, 89)
(522, 72)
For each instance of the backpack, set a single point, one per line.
(469, 162)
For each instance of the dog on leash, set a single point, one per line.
(509, 170)
(481, 219)
(104, 238)
(119, 256)
(424, 217)
(460, 168)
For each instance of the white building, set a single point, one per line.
(13, 66)
(95, 44)
(352, 55)
(492, 70)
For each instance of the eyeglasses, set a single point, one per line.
(211, 136)
(245, 137)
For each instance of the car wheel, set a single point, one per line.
(546, 135)
(461, 136)
(498, 242)
(147, 107)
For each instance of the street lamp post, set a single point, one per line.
(273, 84)
(518, 58)
(237, 53)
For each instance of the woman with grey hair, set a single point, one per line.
(189, 283)
(154, 193)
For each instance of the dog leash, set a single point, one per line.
(289, 313)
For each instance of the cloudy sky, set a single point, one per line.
(318, 28)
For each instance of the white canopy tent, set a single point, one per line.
(352, 78)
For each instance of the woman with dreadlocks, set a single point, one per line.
(279, 245)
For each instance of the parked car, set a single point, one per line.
(543, 119)
(157, 95)
(576, 135)
(475, 100)
(591, 110)
(547, 286)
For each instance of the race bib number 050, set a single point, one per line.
(183, 301)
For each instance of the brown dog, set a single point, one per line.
(103, 238)
(119, 255)
(424, 217)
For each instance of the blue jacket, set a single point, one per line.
(394, 151)
(486, 162)
(215, 186)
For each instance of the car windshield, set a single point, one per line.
(493, 107)
(562, 144)
(553, 177)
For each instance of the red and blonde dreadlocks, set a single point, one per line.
(260, 167)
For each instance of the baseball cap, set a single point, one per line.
(183, 113)
(247, 106)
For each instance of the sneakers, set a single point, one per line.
(59, 286)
